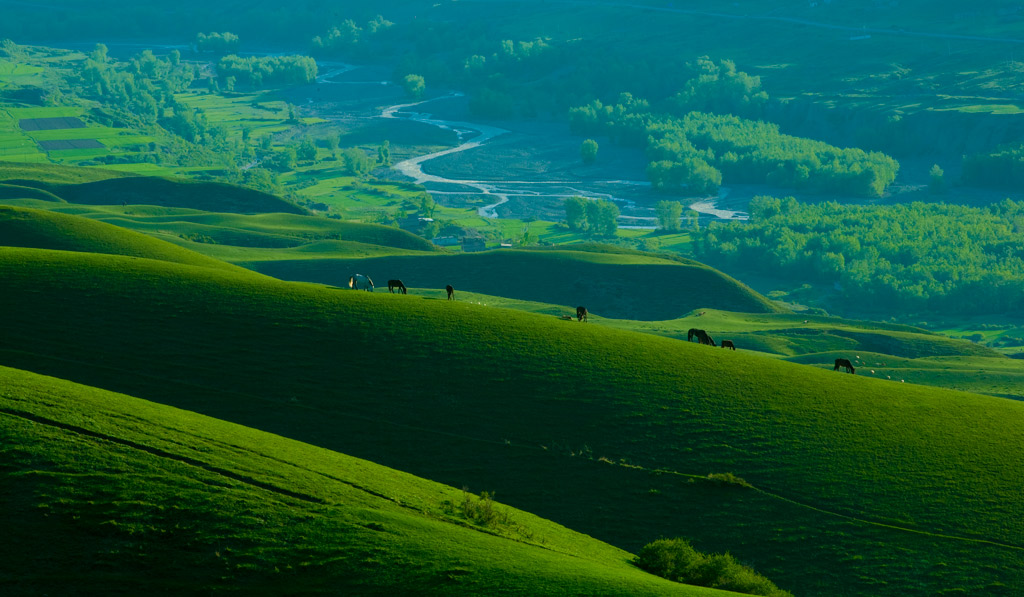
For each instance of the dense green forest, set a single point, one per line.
(697, 151)
(903, 258)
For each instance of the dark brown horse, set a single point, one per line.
(844, 363)
(451, 292)
(393, 284)
(701, 336)
(581, 313)
(728, 344)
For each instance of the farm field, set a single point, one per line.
(626, 404)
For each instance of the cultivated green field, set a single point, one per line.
(111, 494)
(859, 484)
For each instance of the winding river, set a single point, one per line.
(471, 135)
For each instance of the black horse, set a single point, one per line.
(728, 344)
(701, 336)
(451, 292)
(844, 363)
(393, 284)
(581, 313)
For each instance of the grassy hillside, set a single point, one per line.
(860, 486)
(102, 187)
(998, 376)
(789, 334)
(33, 228)
(105, 493)
(613, 285)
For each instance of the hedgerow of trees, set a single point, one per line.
(916, 257)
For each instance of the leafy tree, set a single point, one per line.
(588, 151)
(306, 151)
(414, 86)
(576, 213)
(427, 205)
(937, 180)
(384, 153)
(356, 162)
(670, 215)
(602, 217)
(333, 142)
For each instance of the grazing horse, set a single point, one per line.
(728, 344)
(701, 336)
(360, 282)
(393, 284)
(451, 292)
(581, 313)
(844, 363)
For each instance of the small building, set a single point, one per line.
(414, 223)
(445, 241)
(473, 244)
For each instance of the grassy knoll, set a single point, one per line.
(635, 286)
(105, 493)
(789, 334)
(997, 376)
(860, 486)
(38, 229)
(241, 237)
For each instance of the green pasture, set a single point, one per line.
(121, 490)
(613, 285)
(259, 113)
(860, 483)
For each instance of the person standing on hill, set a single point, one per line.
(451, 292)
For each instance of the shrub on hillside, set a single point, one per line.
(677, 560)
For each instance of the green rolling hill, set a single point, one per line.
(612, 285)
(860, 486)
(108, 494)
(38, 229)
(99, 187)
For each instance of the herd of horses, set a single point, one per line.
(363, 282)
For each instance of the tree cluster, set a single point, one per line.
(343, 38)
(1000, 168)
(260, 72)
(915, 257)
(698, 150)
(220, 43)
(596, 217)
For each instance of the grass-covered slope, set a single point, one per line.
(103, 493)
(98, 187)
(863, 486)
(241, 237)
(788, 334)
(613, 285)
(38, 229)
